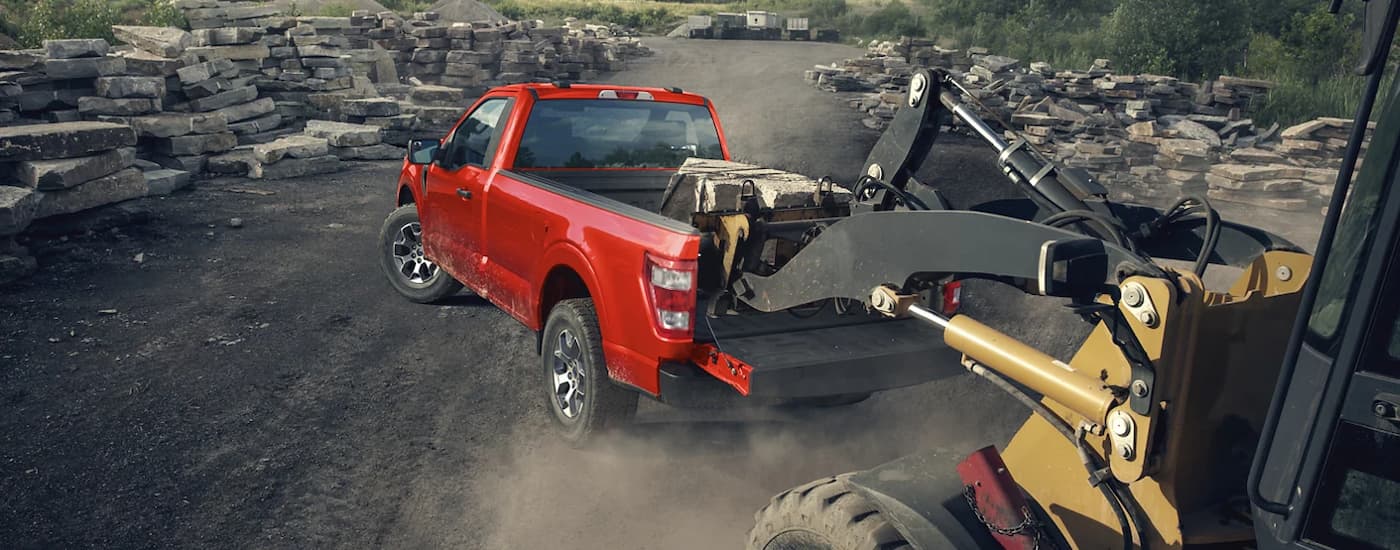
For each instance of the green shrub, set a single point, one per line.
(336, 10)
(54, 19)
(163, 13)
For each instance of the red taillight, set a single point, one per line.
(671, 287)
(952, 297)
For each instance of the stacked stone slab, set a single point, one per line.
(354, 141)
(17, 68)
(58, 169)
(67, 73)
(396, 128)
(292, 156)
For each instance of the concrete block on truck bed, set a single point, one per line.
(705, 185)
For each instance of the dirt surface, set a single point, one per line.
(186, 383)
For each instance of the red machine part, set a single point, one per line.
(997, 501)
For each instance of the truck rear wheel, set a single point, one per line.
(401, 255)
(582, 400)
(823, 515)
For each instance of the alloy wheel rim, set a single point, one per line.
(568, 375)
(409, 260)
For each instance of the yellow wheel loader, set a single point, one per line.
(1265, 415)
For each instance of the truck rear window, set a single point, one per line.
(610, 133)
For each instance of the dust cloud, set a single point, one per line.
(692, 479)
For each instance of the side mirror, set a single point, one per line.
(423, 151)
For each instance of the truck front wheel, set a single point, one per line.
(823, 515)
(583, 401)
(401, 255)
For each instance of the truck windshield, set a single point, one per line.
(609, 133)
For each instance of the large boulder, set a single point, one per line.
(62, 140)
(123, 185)
(162, 41)
(49, 175)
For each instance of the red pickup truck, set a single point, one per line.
(544, 200)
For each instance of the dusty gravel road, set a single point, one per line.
(264, 387)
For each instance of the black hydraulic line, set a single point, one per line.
(1309, 298)
(1108, 486)
(1111, 229)
(913, 202)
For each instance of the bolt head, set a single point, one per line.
(1283, 273)
(1120, 426)
(1125, 452)
(1132, 295)
(1139, 388)
(1148, 318)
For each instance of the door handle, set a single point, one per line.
(464, 193)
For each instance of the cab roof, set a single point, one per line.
(565, 90)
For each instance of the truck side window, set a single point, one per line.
(476, 139)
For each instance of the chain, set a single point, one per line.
(1029, 526)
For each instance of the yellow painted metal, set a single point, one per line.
(1216, 358)
(1027, 365)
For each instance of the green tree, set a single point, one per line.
(1186, 38)
(1320, 44)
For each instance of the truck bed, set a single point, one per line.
(791, 355)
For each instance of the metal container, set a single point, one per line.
(797, 24)
(726, 20)
(762, 20)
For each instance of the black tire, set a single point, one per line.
(823, 515)
(397, 237)
(602, 405)
(827, 401)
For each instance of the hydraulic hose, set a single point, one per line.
(1114, 492)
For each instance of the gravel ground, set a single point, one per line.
(185, 383)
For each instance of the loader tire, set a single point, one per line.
(823, 515)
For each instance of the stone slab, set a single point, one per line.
(297, 147)
(55, 174)
(373, 107)
(166, 125)
(123, 87)
(193, 144)
(341, 134)
(124, 185)
(234, 53)
(118, 107)
(71, 48)
(161, 41)
(382, 151)
(253, 109)
(166, 181)
(85, 67)
(62, 140)
(18, 206)
(222, 100)
(204, 71)
(294, 168)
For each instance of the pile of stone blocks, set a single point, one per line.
(64, 87)
(1320, 142)
(57, 169)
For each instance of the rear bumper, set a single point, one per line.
(819, 362)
